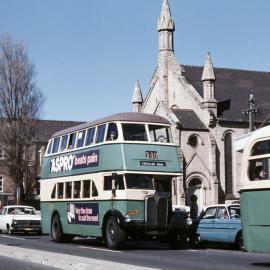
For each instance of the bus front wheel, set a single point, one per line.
(56, 230)
(115, 236)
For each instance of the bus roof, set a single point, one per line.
(129, 117)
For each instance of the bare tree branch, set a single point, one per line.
(20, 106)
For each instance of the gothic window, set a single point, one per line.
(228, 164)
(2, 153)
(1, 184)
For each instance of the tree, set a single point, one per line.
(20, 108)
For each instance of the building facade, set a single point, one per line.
(204, 105)
(44, 130)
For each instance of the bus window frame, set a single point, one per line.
(60, 147)
(57, 150)
(94, 136)
(77, 138)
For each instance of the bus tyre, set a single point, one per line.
(239, 242)
(115, 236)
(56, 230)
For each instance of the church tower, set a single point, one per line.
(166, 48)
(209, 103)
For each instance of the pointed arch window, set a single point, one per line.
(228, 156)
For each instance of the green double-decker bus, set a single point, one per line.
(255, 193)
(111, 179)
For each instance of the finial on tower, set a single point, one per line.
(208, 70)
(165, 21)
(137, 98)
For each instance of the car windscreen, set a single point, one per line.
(136, 181)
(21, 211)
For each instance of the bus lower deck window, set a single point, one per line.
(86, 188)
(77, 189)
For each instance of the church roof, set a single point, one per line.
(189, 120)
(232, 90)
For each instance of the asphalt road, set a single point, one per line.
(152, 254)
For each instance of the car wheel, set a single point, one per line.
(239, 242)
(9, 230)
(115, 236)
(56, 230)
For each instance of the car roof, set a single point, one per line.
(24, 206)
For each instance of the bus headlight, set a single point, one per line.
(189, 221)
(127, 218)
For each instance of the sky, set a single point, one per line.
(88, 54)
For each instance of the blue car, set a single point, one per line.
(221, 223)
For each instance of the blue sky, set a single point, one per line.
(89, 53)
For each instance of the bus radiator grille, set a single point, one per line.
(156, 208)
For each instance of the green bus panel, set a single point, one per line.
(255, 219)
(156, 158)
(83, 227)
(113, 157)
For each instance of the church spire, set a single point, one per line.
(165, 28)
(208, 70)
(137, 98)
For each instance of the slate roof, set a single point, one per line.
(232, 90)
(189, 120)
(46, 128)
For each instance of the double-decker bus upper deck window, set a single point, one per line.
(261, 148)
(56, 145)
(63, 144)
(80, 140)
(134, 132)
(112, 132)
(71, 141)
(138, 181)
(160, 133)
(259, 169)
(100, 133)
(90, 136)
(49, 147)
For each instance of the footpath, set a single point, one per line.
(64, 261)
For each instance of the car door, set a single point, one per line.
(206, 224)
(221, 225)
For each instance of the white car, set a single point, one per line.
(20, 218)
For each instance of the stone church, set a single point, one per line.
(205, 106)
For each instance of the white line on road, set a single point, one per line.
(12, 237)
(102, 249)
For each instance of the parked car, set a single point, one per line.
(221, 223)
(20, 218)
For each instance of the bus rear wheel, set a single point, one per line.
(56, 230)
(115, 236)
